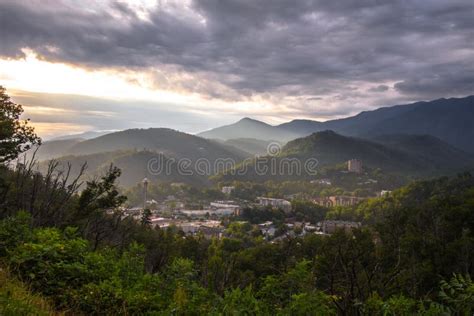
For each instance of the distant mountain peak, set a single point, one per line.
(251, 121)
(246, 119)
(249, 128)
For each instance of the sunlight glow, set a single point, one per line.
(50, 130)
(35, 75)
(169, 87)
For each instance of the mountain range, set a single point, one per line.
(133, 150)
(450, 120)
(421, 139)
(408, 155)
(411, 154)
(170, 142)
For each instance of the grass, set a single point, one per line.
(17, 299)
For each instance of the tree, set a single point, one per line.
(458, 294)
(241, 302)
(311, 303)
(146, 217)
(101, 195)
(16, 136)
(98, 207)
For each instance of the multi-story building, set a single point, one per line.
(338, 200)
(276, 203)
(354, 165)
(208, 228)
(330, 226)
(226, 205)
(208, 213)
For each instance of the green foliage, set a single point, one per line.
(14, 231)
(51, 261)
(308, 211)
(259, 215)
(277, 290)
(101, 195)
(145, 220)
(16, 299)
(397, 305)
(16, 136)
(312, 303)
(458, 294)
(60, 265)
(241, 302)
(426, 229)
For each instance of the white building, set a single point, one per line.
(209, 228)
(228, 190)
(276, 203)
(226, 205)
(322, 182)
(211, 212)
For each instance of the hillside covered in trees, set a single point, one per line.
(416, 156)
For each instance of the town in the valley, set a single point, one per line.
(215, 217)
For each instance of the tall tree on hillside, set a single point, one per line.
(98, 207)
(16, 136)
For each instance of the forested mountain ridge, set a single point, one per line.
(134, 164)
(251, 145)
(133, 151)
(170, 142)
(447, 119)
(431, 148)
(418, 156)
(419, 151)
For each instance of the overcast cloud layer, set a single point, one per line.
(317, 58)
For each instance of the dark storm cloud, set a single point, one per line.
(444, 80)
(251, 47)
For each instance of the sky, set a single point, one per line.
(196, 64)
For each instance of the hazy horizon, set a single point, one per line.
(53, 135)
